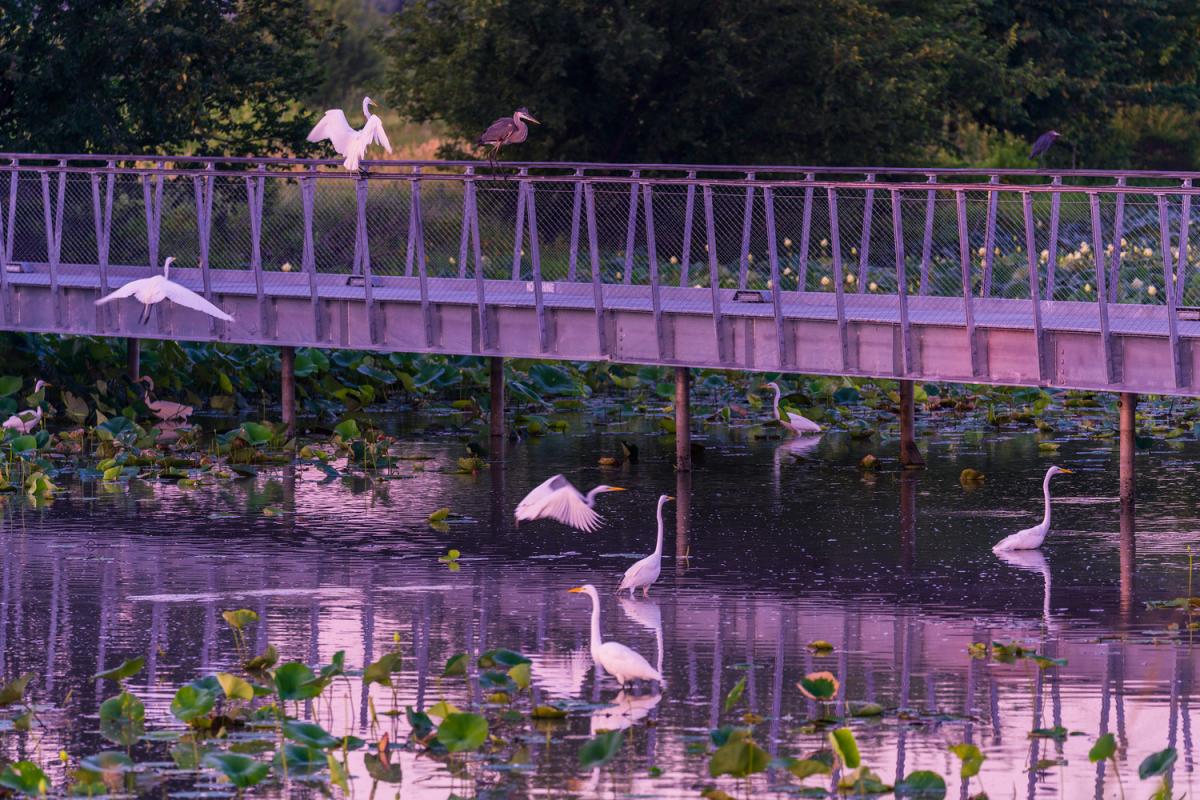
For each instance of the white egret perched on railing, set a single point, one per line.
(645, 572)
(794, 422)
(506, 130)
(1032, 538)
(348, 142)
(557, 499)
(613, 657)
(155, 289)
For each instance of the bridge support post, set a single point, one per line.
(287, 383)
(496, 365)
(1128, 405)
(133, 358)
(683, 420)
(910, 456)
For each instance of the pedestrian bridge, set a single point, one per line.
(1076, 279)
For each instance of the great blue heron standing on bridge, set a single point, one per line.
(1043, 143)
(506, 130)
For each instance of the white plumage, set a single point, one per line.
(149, 291)
(645, 572)
(790, 420)
(25, 421)
(165, 410)
(613, 657)
(345, 140)
(557, 499)
(1032, 538)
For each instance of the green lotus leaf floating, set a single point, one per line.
(25, 777)
(461, 733)
(600, 749)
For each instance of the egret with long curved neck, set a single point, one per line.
(157, 288)
(613, 657)
(644, 573)
(1032, 538)
(556, 498)
(794, 422)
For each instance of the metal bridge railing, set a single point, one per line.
(1098, 244)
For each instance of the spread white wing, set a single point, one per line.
(125, 291)
(374, 132)
(334, 127)
(557, 499)
(186, 297)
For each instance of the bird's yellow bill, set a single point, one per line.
(617, 489)
(576, 589)
(669, 497)
(1068, 471)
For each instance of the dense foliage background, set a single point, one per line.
(753, 81)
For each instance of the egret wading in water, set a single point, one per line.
(165, 410)
(1032, 538)
(615, 658)
(792, 421)
(345, 140)
(557, 499)
(30, 418)
(506, 130)
(644, 573)
(155, 289)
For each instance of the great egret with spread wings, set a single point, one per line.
(1032, 538)
(645, 572)
(345, 140)
(557, 499)
(615, 658)
(791, 420)
(155, 289)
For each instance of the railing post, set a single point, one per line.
(152, 201)
(464, 237)
(664, 349)
(594, 254)
(805, 234)
(906, 364)
(989, 237)
(520, 230)
(52, 213)
(864, 242)
(714, 274)
(1052, 245)
(781, 338)
(6, 247)
(1102, 287)
(472, 212)
(308, 255)
(1169, 294)
(1114, 271)
(102, 219)
(422, 263)
(835, 244)
(1181, 263)
(964, 256)
(204, 198)
(576, 211)
(254, 201)
(927, 239)
(631, 225)
(362, 251)
(535, 258)
(747, 222)
(1031, 255)
(689, 211)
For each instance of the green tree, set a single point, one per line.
(753, 80)
(171, 76)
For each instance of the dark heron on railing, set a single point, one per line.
(1043, 143)
(506, 130)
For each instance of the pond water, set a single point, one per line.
(770, 546)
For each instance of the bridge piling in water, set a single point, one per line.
(496, 414)
(910, 455)
(287, 380)
(1128, 430)
(133, 359)
(683, 420)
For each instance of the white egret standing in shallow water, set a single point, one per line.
(165, 410)
(157, 288)
(345, 140)
(25, 421)
(1032, 538)
(790, 420)
(645, 572)
(615, 658)
(557, 499)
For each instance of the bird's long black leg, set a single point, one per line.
(145, 318)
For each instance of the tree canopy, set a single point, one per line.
(214, 76)
(845, 81)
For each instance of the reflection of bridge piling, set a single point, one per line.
(133, 358)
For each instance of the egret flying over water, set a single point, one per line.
(645, 572)
(1032, 538)
(557, 499)
(157, 288)
(345, 140)
(506, 130)
(613, 657)
(792, 421)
